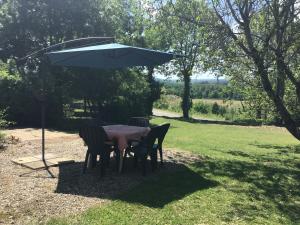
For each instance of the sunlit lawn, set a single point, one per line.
(250, 175)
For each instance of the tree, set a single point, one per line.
(265, 35)
(141, 31)
(185, 39)
(29, 25)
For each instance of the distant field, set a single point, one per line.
(173, 103)
(228, 103)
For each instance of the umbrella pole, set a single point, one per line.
(43, 130)
(43, 113)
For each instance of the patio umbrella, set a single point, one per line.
(105, 56)
(109, 56)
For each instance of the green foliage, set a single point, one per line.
(20, 95)
(215, 108)
(130, 99)
(2, 140)
(113, 95)
(3, 119)
(26, 26)
(3, 124)
(168, 102)
(201, 107)
(262, 58)
(222, 110)
(219, 109)
(184, 38)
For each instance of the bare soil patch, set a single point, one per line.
(33, 198)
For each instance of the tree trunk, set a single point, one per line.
(286, 117)
(259, 59)
(186, 99)
(280, 82)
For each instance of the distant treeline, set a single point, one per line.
(203, 90)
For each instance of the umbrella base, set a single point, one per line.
(36, 163)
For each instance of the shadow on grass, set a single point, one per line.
(269, 182)
(282, 149)
(166, 185)
(168, 188)
(238, 153)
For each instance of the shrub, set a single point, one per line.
(19, 95)
(112, 95)
(222, 110)
(2, 140)
(215, 109)
(3, 122)
(168, 102)
(201, 107)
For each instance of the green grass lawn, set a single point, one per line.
(250, 175)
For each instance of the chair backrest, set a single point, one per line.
(150, 139)
(139, 122)
(94, 137)
(163, 129)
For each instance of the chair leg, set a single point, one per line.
(103, 159)
(117, 156)
(153, 157)
(124, 159)
(94, 160)
(85, 162)
(161, 155)
(144, 161)
(135, 160)
(108, 158)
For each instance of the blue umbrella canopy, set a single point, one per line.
(109, 56)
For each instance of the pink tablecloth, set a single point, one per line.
(123, 133)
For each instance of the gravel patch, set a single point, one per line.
(33, 197)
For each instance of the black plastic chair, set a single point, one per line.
(144, 149)
(139, 122)
(162, 131)
(96, 140)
